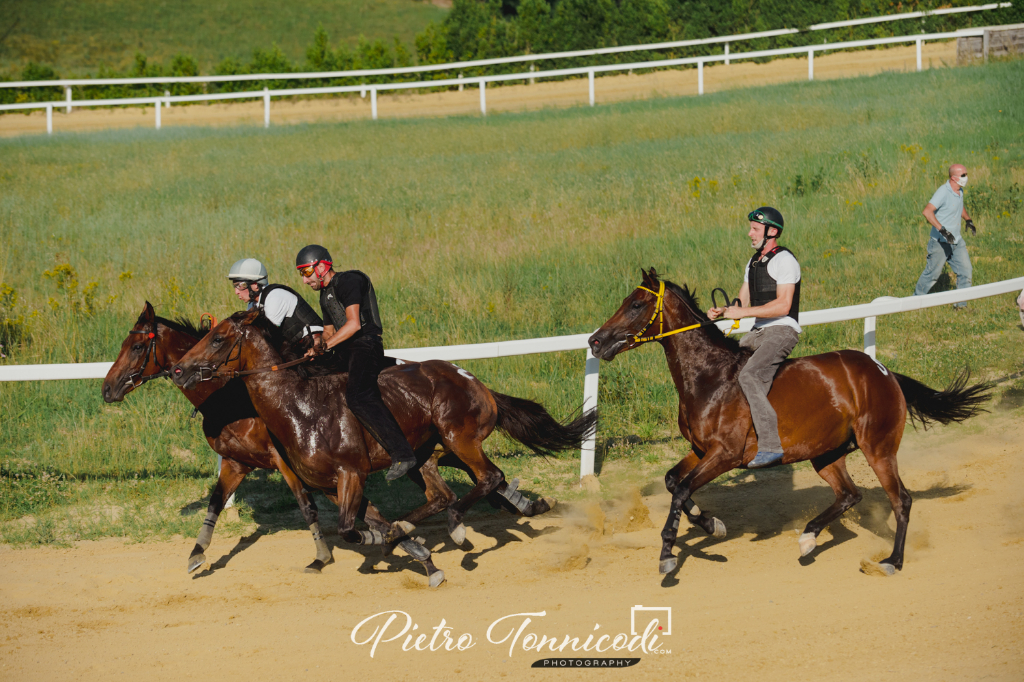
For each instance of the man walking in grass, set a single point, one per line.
(946, 244)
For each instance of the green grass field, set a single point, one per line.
(513, 226)
(80, 37)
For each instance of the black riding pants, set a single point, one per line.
(365, 359)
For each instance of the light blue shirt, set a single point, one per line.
(949, 207)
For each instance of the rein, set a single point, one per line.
(659, 315)
(211, 373)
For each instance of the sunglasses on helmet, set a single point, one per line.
(759, 217)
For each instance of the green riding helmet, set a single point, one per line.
(248, 270)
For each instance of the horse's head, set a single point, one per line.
(143, 357)
(226, 347)
(645, 312)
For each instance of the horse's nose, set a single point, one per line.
(177, 371)
(106, 392)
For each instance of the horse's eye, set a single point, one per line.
(136, 348)
(637, 305)
(217, 340)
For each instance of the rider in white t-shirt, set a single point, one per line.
(281, 305)
(771, 294)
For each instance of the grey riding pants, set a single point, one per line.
(771, 345)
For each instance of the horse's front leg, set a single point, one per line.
(231, 475)
(309, 512)
(715, 463)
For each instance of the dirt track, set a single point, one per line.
(743, 607)
(509, 98)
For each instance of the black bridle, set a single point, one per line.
(136, 379)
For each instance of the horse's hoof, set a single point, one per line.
(549, 502)
(195, 561)
(436, 578)
(874, 568)
(719, 531)
(404, 526)
(668, 565)
(808, 541)
(316, 567)
(459, 534)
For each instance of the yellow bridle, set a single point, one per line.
(659, 314)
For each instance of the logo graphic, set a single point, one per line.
(645, 614)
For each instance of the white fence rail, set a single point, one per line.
(267, 94)
(868, 312)
(67, 83)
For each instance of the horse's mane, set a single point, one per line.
(690, 300)
(182, 325)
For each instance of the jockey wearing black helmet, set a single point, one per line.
(353, 329)
(771, 294)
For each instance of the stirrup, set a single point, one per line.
(763, 459)
(399, 469)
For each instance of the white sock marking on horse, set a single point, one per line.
(808, 542)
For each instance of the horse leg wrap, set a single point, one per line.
(691, 508)
(512, 494)
(206, 531)
(415, 550)
(370, 537)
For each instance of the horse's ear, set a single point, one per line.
(650, 277)
(148, 314)
(250, 317)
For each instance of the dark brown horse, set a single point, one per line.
(828, 406)
(236, 433)
(435, 402)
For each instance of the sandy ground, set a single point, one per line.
(669, 83)
(743, 608)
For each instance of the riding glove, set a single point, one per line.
(970, 226)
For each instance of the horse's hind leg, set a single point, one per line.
(488, 477)
(499, 497)
(231, 475)
(310, 513)
(835, 474)
(888, 475)
(413, 547)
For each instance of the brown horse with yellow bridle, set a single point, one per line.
(828, 406)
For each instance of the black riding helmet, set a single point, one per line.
(768, 216)
(312, 255)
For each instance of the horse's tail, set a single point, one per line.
(530, 424)
(956, 404)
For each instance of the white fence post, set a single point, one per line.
(590, 77)
(919, 41)
(590, 379)
(157, 114)
(266, 107)
(460, 84)
(727, 54)
(532, 69)
(869, 336)
(167, 102)
(49, 119)
(373, 103)
(869, 328)
(67, 96)
(700, 78)
(483, 97)
(810, 65)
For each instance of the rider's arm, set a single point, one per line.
(350, 327)
(329, 331)
(715, 313)
(777, 308)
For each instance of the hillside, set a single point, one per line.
(83, 36)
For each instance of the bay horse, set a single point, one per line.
(435, 403)
(828, 406)
(230, 424)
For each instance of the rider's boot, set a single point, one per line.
(764, 459)
(399, 468)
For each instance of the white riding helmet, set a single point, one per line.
(248, 270)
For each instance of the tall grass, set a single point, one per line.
(513, 226)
